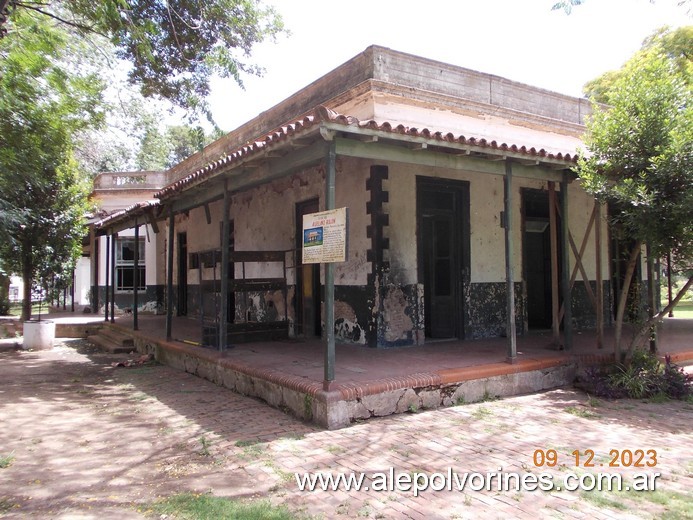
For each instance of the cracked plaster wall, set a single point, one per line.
(264, 219)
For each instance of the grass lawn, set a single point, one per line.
(684, 310)
(206, 507)
(16, 309)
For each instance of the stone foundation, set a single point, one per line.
(348, 403)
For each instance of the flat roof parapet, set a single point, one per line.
(405, 70)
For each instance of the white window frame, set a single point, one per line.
(125, 261)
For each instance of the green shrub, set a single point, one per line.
(643, 377)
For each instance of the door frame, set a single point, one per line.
(461, 241)
(305, 207)
(182, 293)
(526, 192)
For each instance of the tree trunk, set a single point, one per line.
(656, 319)
(620, 311)
(27, 276)
(4, 291)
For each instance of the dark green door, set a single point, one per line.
(443, 251)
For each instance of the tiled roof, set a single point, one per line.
(123, 214)
(322, 114)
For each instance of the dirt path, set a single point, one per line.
(92, 441)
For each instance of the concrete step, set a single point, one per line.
(112, 341)
(117, 336)
(108, 345)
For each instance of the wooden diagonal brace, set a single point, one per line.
(578, 263)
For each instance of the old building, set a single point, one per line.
(116, 193)
(461, 205)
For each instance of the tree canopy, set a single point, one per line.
(567, 5)
(42, 192)
(160, 149)
(174, 47)
(676, 45)
(640, 153)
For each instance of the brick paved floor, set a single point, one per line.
(93, 441)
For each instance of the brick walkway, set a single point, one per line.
(89, 441)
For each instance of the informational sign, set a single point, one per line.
(325, 236)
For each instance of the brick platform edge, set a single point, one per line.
(10, 327)
(349, 402)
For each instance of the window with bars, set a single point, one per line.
(125, 265)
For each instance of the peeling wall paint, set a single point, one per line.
(149, 301)
(351, 312)
(401, 320)
(381, 307)
(486, 308)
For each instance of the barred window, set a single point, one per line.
(125, 265)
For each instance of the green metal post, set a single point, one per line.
(511, 329)
(113, 276)
(329, 272)
(223, 325)
(107, 280)
(169, 279)
(135, 291)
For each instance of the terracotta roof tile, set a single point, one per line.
(323, 114)
(121, 214)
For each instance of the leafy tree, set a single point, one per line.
(174, 47)
(567, 5)
(640, 158)
(42, 193)
(154, 149)
(162, 148)
(676, 45)
(184, 142)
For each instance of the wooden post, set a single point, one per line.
(225, 229)
(553, 232)
(169, 277)
(511, 331)
(108, 279)
(135, 290)
(565, 252)
(598, 259)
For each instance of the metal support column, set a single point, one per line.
(94, 278)
(224, 312)
(108, 279)
(553, 231)
(329, 273)
(136, 284)
(511, 330)
(169, 278)
(113, 276)
(565, 278)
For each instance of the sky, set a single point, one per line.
(521, 40)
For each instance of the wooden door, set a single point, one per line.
(308, 301)
(443, 251)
